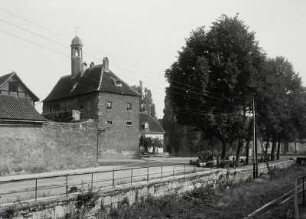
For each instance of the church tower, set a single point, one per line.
(76, 57)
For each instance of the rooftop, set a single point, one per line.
(69, 86)
(15, 108)
(154, 125)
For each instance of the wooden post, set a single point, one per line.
(66, 185)
(113, 178)
(296, 203)
(36, 189)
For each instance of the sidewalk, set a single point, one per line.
(106, 165)
(115, 164)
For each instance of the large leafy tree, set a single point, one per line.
(212, 80)
(279, 95)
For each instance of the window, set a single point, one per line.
(21, 94)
(129, 123)
(128, 106)
(109, 105)
(5, 92)
(145, 126)
(117, 82)
(13, 86)
(109, 122)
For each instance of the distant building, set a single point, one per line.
(150, 127)
(97, 93)
(17, 102)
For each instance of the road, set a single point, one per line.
(104, 177)
(125, 173)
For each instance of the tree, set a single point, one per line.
(146, 101)
(211, 81)
(278, 98)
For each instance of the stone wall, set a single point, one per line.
(61, 207)
(51, 146)
(56, 145)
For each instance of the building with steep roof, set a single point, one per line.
(150, 127)
(97, 93)
(17, 102)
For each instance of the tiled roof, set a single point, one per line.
(68, 86)
(4, 78)
(154, 125)
(16, 108)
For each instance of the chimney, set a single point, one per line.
(92, 64)
(105, 64)
(84, 67)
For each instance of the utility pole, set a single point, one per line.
(255, 160)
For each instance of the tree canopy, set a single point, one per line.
(217, 74)
(146, 101)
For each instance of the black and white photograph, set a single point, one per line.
(138, 109)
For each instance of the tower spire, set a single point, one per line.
(76, 56)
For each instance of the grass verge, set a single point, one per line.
(226, 201)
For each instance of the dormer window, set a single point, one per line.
(129, 123)
(145, 126)
(117, 82)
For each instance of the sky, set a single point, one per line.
(141, 38)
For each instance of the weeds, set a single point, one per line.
(230, 200)
(9, 212)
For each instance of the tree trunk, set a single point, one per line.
(266, 152)
(247, 152)
(248, 139)
(273, 149)
(240, 144)
(278, 148)
(285, 147)
(223, 153)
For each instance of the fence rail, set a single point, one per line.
(34, 188)
(299, 197)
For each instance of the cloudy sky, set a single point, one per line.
(140, 37)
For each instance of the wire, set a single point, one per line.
(186, 109)
(31, 32)
(27, 20)
(29, 41)
(34, 43)
(64, 46)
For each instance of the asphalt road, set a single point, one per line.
(123, 174)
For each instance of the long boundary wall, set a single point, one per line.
(62, 207)
(55, 145)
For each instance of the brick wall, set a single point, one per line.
(118, 139)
